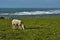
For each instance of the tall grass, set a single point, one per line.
(35, 29)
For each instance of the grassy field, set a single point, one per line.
(36, 29)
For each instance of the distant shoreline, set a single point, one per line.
(30, 16)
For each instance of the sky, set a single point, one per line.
(29, 3)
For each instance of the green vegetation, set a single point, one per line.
(35, 29)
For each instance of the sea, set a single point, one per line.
(29, 12)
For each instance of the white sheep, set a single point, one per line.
(17, 23)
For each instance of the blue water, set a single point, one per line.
(29, 12)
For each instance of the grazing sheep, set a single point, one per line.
(18, 23)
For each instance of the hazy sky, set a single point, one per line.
(29, 3)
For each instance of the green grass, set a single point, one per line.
(35, 29)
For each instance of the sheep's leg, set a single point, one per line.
(22, 25)
(13, 27)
